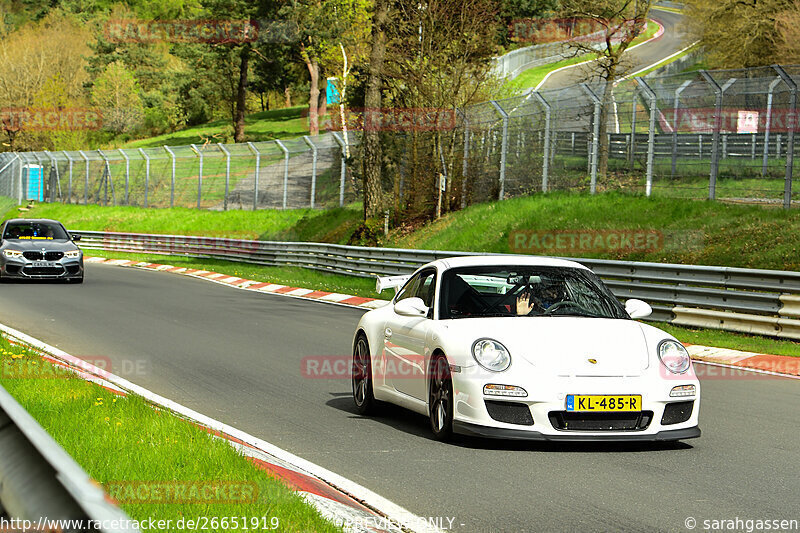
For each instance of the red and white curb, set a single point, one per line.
(342, 501)
(249, 284)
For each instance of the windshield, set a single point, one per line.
(34, 231)
(526, 291)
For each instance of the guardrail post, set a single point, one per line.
(69, 184)
(172, 186)
(678, 92)
(465, 159)
(146, 174)
(258, 171)
(791, 120)
(127, 173)
(503, 149)
(546, 160)
(313, 146)
(228, 176)
(718, 91)
(285, 171)
(343, 167)
(595, 136)
(199, 153)
(86, 179)
(651, 134)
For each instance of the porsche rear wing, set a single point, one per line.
(391, 282)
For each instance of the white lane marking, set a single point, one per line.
(351, 488)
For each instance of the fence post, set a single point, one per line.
(651, 133)
(199, 153)
(791, 121)
(678, 92)
(503, 148)
(595, 136)
(546, 160)
(465, 159)
(172, 185)
(313, 146)
(285, 171)
(146, 174)
(718, 91)
(86, 179)
(228, 176)
(343, 168)
(69, 185)
(107, 172)
(53, 164)
(768, 125)
(632, 147)
(39, 162)
(258, 171)
(127, 173)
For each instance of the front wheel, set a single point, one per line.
(440, 398)
(362, 378)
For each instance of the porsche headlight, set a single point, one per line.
(15, 254)
(673, 356)
(491, 355)
(72, 254)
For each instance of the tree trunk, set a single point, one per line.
(602, 159)
(287, 96)
(313, 97)
(372, 102)
(323, 100)
(241, 97)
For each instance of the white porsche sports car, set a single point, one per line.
(523, 347)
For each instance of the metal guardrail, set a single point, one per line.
(41, 483)
(771, 296)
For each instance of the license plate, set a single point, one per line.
(43, 264)
(604, 403)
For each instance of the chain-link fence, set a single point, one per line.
(726, 134)
(301, 172)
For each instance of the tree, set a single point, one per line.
(322, 26)
(788, 24)
(621, 21)
(738, 33)
(116, 92)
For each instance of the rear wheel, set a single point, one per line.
(362, 377)
(440, 398)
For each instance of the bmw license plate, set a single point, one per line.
(43, 264)
(604, 403)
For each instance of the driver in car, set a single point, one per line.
(527, 301)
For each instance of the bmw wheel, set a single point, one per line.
(440, 398)
(362, 377)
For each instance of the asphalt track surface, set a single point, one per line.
(671, 41)
(236, 356)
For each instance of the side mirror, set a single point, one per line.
(637, 308)
(76, 237)
(411, 307)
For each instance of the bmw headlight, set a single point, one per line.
(15, 254)
(491, 355)
(673, 356)
(72, 254)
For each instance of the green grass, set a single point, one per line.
(734, 341)
(532, 77)
(696, 232)
(291, 276)
(263, 126)
(123, 439)
(6, 205)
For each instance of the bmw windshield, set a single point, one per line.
(47, 231)
(489, 291)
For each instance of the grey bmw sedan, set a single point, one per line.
(39, 249)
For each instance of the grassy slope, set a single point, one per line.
(262, 126)
(717, 233)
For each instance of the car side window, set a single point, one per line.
(409, 290)
(426, 287)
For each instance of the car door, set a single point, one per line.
(404, 339)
